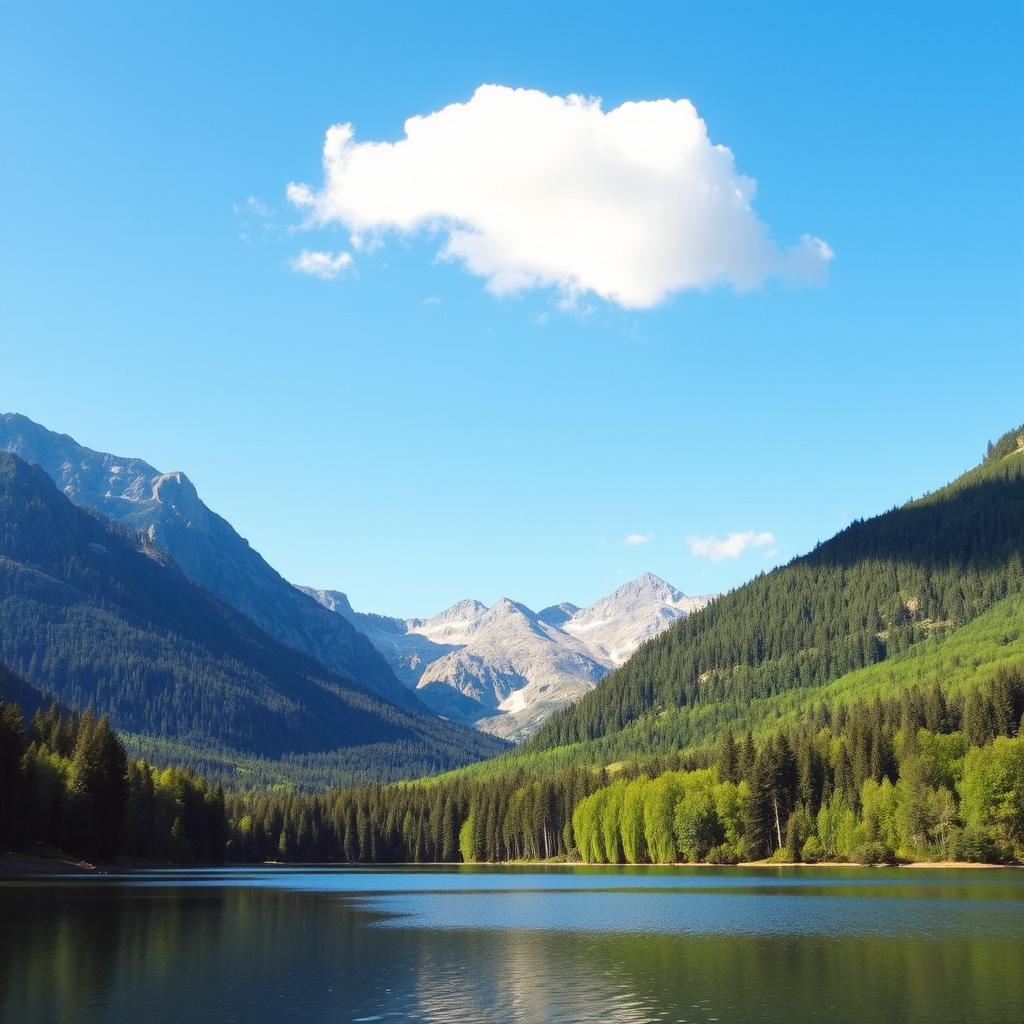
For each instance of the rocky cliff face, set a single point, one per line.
(167, 508)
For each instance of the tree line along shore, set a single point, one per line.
(917, 778)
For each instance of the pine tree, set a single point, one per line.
(728, 759)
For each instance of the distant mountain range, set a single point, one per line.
(506, 668)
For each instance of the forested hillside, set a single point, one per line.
(15, 689)
(874, 590)
(102, 620)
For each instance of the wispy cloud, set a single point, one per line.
(638, 538)
(530, 190)
(325, 265)
(255, 217)
(254, 207)
(732, 546)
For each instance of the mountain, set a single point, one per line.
(505, 669)
(557, 614)
(512, 672)
(166, 507)
(874, 590)
(618, 624)
(103, 618)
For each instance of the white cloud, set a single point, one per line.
(325, 265)
(638, 538)
(530, 190)
(729, 547)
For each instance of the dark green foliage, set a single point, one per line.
(16, 690)
(12, 749)
(728, 758)
(872, 591)
(96, 789)
(105, 621)
(66, 782)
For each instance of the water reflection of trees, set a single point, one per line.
(84, 953)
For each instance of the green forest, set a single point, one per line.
(67, 784)
(919, 777)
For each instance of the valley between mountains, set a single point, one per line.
(501, 671)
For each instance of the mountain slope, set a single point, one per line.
(505, 669)
(408, 645)
(166, 507)
(871, 591)
(102, 618)
(14, 689)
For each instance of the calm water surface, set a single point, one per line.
(524, 945)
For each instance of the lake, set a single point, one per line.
(515, 944)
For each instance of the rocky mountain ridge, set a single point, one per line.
(168, 510)
(506, 668)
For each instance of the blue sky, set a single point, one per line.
(400, 432)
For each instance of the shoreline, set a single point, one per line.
(29, 865)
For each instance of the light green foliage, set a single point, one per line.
(880, 803)
(586, 825)
(698, 827)
(992, 794)
(812, 850)
(659, 816)
(941, 757)
(611, 835)
(466, 850)
(634, 844)
(914, 805)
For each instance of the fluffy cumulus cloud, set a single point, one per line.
(325, 265)
(529, 190)
(720, 548)
(638, 538)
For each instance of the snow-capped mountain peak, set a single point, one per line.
(618, 624)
